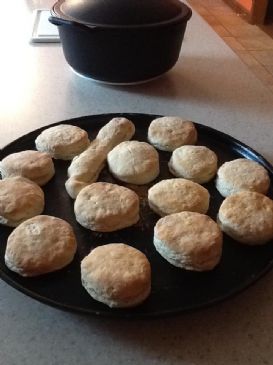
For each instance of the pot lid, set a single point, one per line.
(120, 12)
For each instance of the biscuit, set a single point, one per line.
(177, 195)
(117, 275)
(20, 199)
(116, 131)
(134, 162)
(169, 133)
(247, 217)
(196, 163)
(40, 245)
(63, 141)
(189, 240)
(86, 167)
(106, 207)
(33, 165)
(242, 174)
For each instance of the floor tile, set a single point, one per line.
(220, 10)
(233, 43)
(231, 19)
(271, 89)
(262, 74)
(222, 31)
(252, 43)
(265, 57)
(211, 19)
(269, 68)
(243, 30)
(247, 58)
(268, 29)
(259, 42)
(200, 9)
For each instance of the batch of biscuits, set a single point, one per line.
(118, 274)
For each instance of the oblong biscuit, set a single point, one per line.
(176, 195)
(117, 130)
(86, 167)
(117, 275)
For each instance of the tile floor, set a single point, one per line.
(252, 43)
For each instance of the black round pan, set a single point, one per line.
(173, 290)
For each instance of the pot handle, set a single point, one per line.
(60, 21)
(189, 15)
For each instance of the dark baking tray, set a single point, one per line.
(173, 290)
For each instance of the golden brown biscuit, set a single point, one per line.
(242, 174)
(33, 165)
(189, 240)
(106, 207)
(134, 162)
(40, 245)
(247, 217)
(20, 199)
(195, 163)
(117, 275)
(177, 195)
(169, 133)
(63, 141)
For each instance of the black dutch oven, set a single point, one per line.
(121, 41)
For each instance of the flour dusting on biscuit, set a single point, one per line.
(247, 217)
(176, 195)
(106, 207)
(170, 132)
(134, 162)
(196, 163)
(40, 245)
(240, 175)
(20, 199)
(189, 240)
(117, 275)
(33, 165)
(63, 141)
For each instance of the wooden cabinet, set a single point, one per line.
(255, 9)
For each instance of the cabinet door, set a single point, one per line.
(258, 13)
(256, 9)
